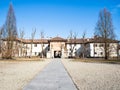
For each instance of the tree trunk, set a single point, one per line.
(105, 49)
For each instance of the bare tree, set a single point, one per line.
(104, 29)
(83, 49)
(72, 42)
(42, 43)
(10, 33)
(22, 33)
(32, 39)
(0, 40)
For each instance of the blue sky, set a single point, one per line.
(58, 17)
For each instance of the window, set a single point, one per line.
(26, 53)
(35, 45)
(101, 45)
(95, 52)
(70, 53)
(95, 45)
(35, 53)
(101, 53)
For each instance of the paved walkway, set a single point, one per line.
(53, 77)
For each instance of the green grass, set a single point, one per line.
(98, 60)
(24, 59)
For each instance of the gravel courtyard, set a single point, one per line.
(94, 76)
(14, 75)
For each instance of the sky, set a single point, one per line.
(59, 17)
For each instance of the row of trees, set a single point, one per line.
(104, 28)
(8, 33)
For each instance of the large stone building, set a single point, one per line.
(58, 47)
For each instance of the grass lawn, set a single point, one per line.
(98, 60)
(24, 59)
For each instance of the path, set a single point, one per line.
(53, 77)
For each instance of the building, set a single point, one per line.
(95, 47)
(58, 47)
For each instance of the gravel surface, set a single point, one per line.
(14, 75)
(94, 76)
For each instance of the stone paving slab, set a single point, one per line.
(53, 77)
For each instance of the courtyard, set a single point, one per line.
(16, 74)
(94, 76)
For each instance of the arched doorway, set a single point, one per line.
(57, 54)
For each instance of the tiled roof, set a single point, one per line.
(72, 41)
(101, 40)
(35, 41)
(12, 39)
(58, 39)
(68, 41)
